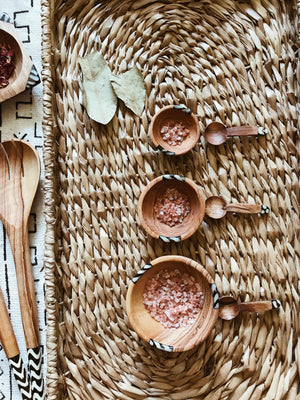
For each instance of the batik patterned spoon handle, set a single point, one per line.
(35, 359)
(10, 346)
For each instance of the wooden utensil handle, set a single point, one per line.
(245, 131)
(18, 237)
(259, 306)
(244, 208)
(7, 335)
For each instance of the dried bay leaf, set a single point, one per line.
(100, 99)
(130, 87)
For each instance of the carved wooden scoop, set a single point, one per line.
(216, 207)
(19, 177)
(217, 133)
(230, 308)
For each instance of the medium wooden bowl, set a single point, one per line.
(175, 114)
(157, 229)
(153, 332)
(19, 78)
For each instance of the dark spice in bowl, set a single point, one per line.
(7, 66)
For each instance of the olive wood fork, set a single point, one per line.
(19, 177)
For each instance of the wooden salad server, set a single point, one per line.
(216, 207)
(19, 177)
(10, 346)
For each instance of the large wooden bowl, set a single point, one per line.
(153, 332)
(18, 79)
(158, 229)
(175, 114)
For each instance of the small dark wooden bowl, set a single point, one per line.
(18, 79)
(191, 222)
(153, 332)
(175, 114)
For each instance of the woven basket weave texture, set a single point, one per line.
(234, 62)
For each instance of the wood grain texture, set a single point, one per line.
(19, 177)
(228, 61)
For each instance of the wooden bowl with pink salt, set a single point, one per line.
(174, 129)
(171, 208)
(172, 303)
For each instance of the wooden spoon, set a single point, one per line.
(19, 178)
(11, 348)
(230, 308)
(217, 133)
(216, 207)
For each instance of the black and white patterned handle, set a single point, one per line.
(35, 362)
(17, 366)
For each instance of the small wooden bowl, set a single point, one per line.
(153, 332)
(175, 114)
(19, 78)
(158, 229)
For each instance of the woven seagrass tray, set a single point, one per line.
(231, 61)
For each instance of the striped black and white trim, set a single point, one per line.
(215, 295)
(170, 239)
(262, 131)
(264, 210)
(141, 272)
(161, 346)
(34, 78)
(276, 303)
(17, 365)
(35, 358)
(173, 176)
(5, 18)
(182, 108)
(168, 152)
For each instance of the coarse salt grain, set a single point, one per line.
(173, 298)
(172, 207)
(174, 133)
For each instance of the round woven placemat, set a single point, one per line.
(234, 62)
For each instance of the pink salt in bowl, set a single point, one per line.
(174, 130)
(171, 208)
(172, 325)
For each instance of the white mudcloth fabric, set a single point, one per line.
(21, 117)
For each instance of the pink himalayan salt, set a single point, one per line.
(173, 298)
(172, 207)
(174, 133)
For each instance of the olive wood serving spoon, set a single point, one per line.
(216, 207)
(11, 348)
(217, 133)
(230, 308)
(19, 178)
